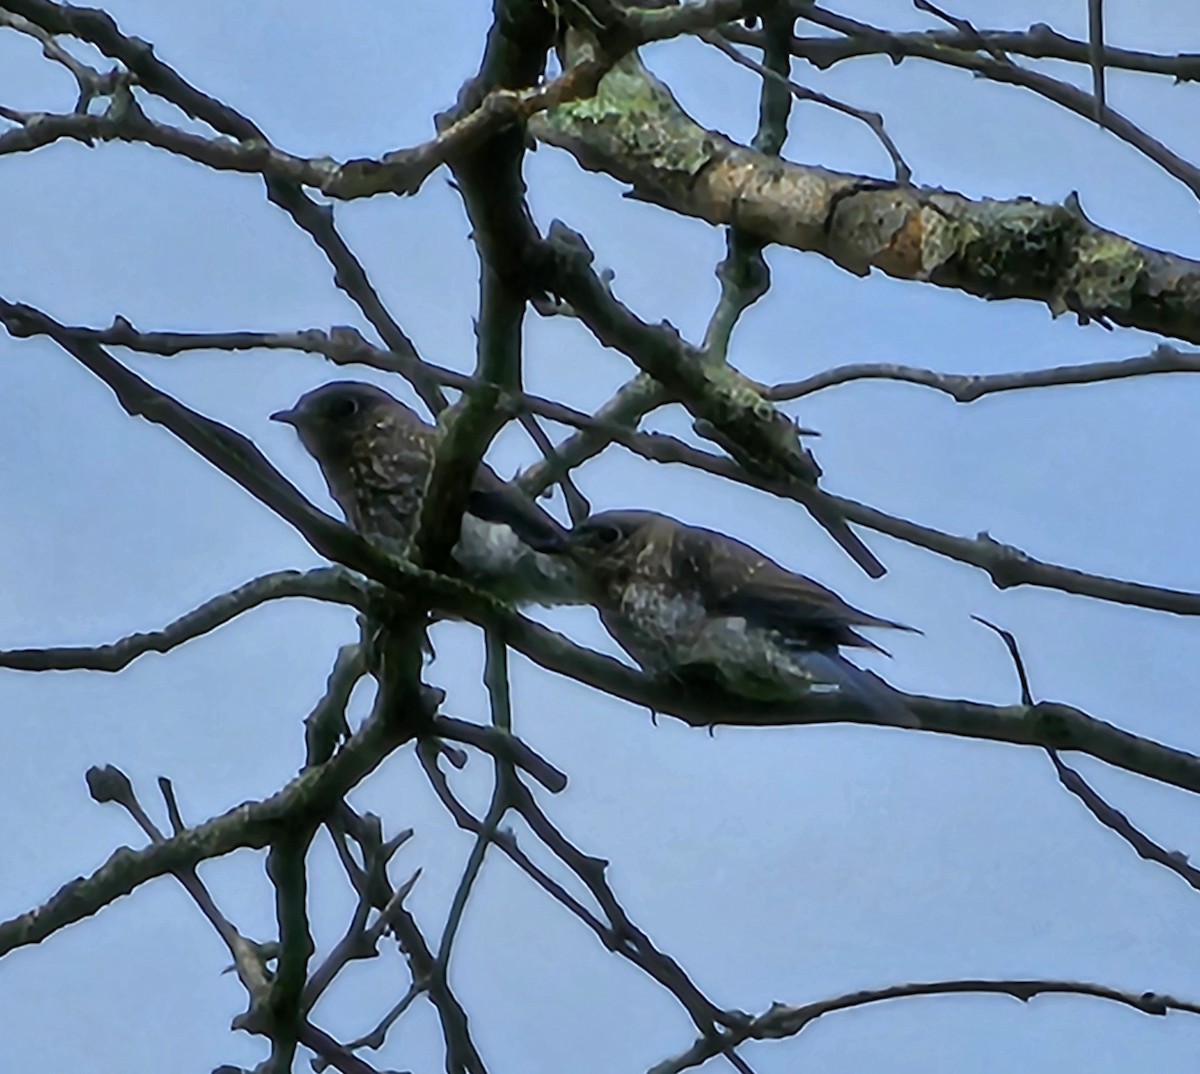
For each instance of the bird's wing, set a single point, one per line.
(495, 500)
(736, 579)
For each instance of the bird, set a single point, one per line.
(702, 609)
(376, 455)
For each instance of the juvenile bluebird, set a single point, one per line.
(701, 608)
(376, 455)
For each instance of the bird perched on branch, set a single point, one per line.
(702, 608)
(377, 455)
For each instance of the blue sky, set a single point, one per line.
(786, 864)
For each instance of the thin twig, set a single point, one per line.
(901, 170)
(969, 387)
(1108, 815)
(495, 677)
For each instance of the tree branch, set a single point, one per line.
(1006, 565)
(334, 585)
(997, 67)
(1056, 726)
(401, 171)
(783, 1021)
(288, 875)
(98, 28)
(306, 799)
(968, 387)
(635, 131)
(728, 406)
(1038, 42)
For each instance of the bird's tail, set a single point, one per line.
(866, 688)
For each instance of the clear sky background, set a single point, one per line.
(787, 864)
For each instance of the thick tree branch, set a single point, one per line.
(289, 876)
(635, 131)
(493, 192)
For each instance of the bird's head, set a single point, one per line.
(333, 417)
(607, 537)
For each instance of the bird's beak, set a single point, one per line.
(288, 417)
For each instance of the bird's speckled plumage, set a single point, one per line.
(697, 605)
(376, 455)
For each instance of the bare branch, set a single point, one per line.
(500, 701)
(110, 784)
(728, 405)
(1038, 42)
(333, 585)
(507, 843)
(375, 1039)
(325, 726)
(744, 274)
(783, 1021)
(630, 939)
(461, 1054)
(632, 401)
(288, 875)
(91, 83)
(618, 934)
(360, 941)
(502, 745)
(331, 1052)
(968, 387)
(1116, 821)
(401, 171)
(1006, 565)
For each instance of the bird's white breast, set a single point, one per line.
(654, 621)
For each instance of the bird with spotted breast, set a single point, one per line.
(377, 454)
(704, 609)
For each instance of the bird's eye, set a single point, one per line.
(603, 536)
(341, 408)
